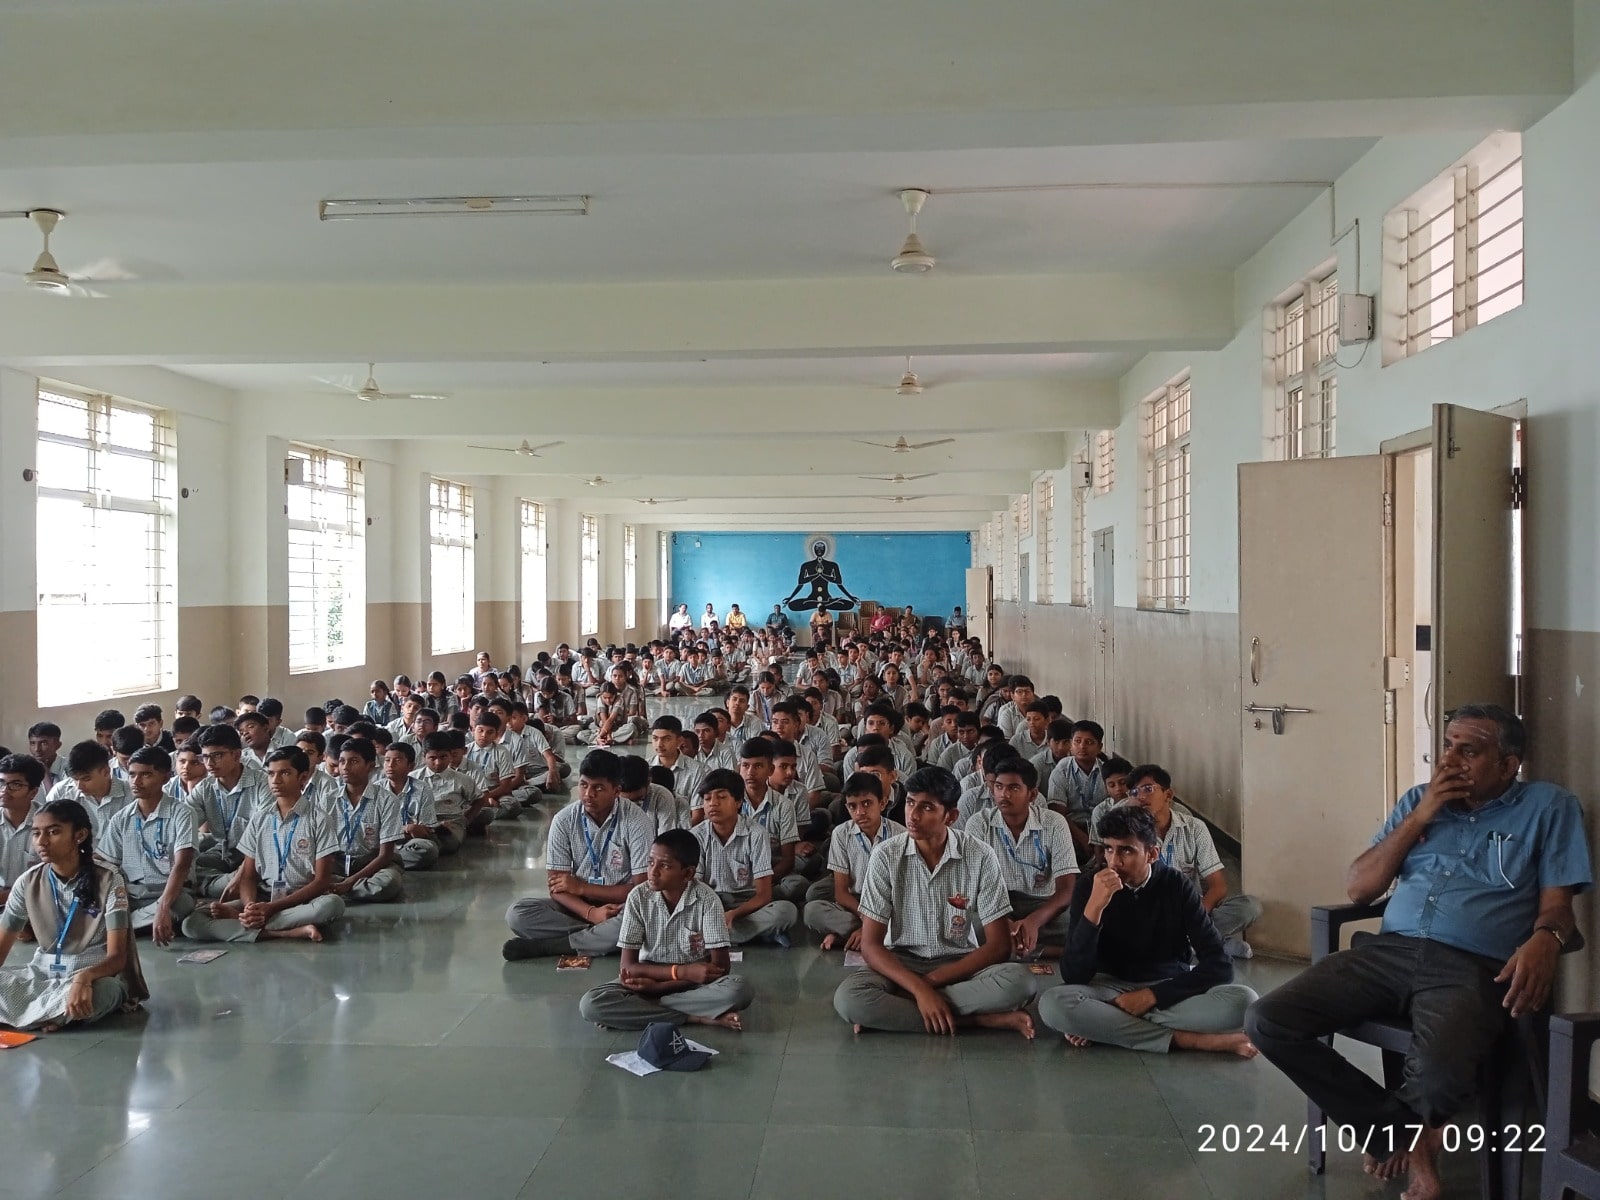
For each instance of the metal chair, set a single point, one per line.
(1512, 1076)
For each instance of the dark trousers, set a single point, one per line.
(1449, 996)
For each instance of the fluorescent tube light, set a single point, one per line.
(454, 206)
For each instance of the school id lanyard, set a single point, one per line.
(352, 828)
(279, 847)
(406, 802)
(597, 861)
(1042, 866)
(883, 833)
(66, 921)
(154, 858)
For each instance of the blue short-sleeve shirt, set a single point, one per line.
(1473, 880)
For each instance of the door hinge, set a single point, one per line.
(1519, 487)
(1388, 509)
(1388, 708)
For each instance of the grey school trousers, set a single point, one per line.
(876, 1002)
(535, 918)
(201, 926)
(615, 1007)
(381, 887)
(1023, 905)
(1085, 1010)
(418, 854)
(1236, 914)
(143, 910)
(777, 917)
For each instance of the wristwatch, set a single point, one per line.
(1553, 932)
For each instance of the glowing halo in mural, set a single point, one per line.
(820, 573)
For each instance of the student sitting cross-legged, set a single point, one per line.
(1127, 974)
(152, 842)
(833, 904)
(418, 816)
(1034, 848)
(597, 853)
(370, 831)
(926, 895)
(736, 860)
(283, 883)
(674, 942)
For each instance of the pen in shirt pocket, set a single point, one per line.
(1500, 840)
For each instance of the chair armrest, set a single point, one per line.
(1327, 920)
(1572, 1039)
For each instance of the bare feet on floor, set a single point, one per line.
(1019, 1021)
(309, 933)
(830, 941)
(1385, 1168)
(1422, 1179)
(1216, 1043)
(726, 1021)
(1074, 1040)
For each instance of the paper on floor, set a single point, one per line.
(630, 1061)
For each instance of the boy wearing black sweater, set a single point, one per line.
(1127, 978)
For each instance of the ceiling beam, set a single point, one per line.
(880, 315)
(731, 75)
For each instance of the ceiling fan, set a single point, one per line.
(47, 275)
(369, 392)
(525, 450)
(910, 385)
(899, 478)
(652, 501)
(595, 480)
(900, 499)
(901, 446)
(913, 259)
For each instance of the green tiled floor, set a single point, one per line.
(404, 1059)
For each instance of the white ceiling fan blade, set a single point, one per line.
(925, 445)
(534, 450)
(411, 396)
(502, 449)
(880, 445)
(103, 270)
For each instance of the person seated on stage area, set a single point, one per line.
(152, 843)
(1034, 849)
(926, 895)
(597, 852)
(833, 904)
(736, 860)
(674, 943)
(1484, 867)
(85, 965)
(1187, 845)
(283, 882)
(1144, 967)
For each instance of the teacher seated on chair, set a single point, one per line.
(1484, 868)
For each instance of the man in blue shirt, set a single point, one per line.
(1484, 869)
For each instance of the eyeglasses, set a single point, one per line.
(1147, 789)
(14, 785)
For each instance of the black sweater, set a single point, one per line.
(1148, 937)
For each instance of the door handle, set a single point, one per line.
(1276, 710)
(1255, 662)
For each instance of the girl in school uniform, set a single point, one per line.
(381, 709)
(84, 965)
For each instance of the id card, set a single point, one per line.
(280, 889)
(59, 970)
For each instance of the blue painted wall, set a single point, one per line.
(757, 570)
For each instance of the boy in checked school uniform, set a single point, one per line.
(833, 904)
(1034, 849)
(368, 822)
(152, 842)
(774, 812)
(596, 854)
(926, 894)
(289, 849)
(456, 798)
(661, 804)
(736, 860)
(420, 849)
(674, 943)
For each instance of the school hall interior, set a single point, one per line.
(1229, 365)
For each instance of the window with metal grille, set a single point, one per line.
(1105, 461)
(535, 574)
(630, 576)
(1013, 549)
(108, 609)
(1453, 251)
(450, 544)
(664, 573)
(1166, 497)
(1303, 332)
(1079, 549)
(1024, 510)
(589, 578)
(325, 496)
(1045, 495)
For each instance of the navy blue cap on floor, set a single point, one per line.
(661, 1045)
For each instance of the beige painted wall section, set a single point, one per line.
(1176, 694)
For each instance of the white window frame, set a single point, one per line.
(1166, 572)
(1104, 459)
(589, 575)
(1302, 349)
(535, 561)
(630, 576)
(1082, 487)
(451, 547)
(664, 573)
(108, 628)
(325, 499)
(1453, 251)
(1014, 549)
(1044, 490)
